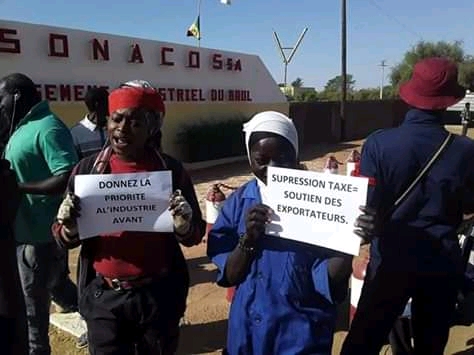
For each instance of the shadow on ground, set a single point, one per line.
(199, 271)
(203, 338)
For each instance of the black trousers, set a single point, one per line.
(141, 321)
(383, 299)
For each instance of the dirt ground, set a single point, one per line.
(204, 331)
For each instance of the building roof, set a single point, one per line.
(460, 105)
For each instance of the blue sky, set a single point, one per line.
(377, 29)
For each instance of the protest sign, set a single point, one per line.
(316, 208)
(113, 203)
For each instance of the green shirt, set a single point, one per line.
(40, 147)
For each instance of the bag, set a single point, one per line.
(421, 174)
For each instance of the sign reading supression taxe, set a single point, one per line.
(124, 202)
(316, 208)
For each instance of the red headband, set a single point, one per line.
(133, 97)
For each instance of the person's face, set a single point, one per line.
(128, 133)
(6, 103)
(272, 151)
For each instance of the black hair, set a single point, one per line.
(22, 84)
(95, 95)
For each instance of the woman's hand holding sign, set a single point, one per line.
(257, 219)
(68, 212)
(365, 224)
(182, 214)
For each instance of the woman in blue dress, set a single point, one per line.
(286, 291)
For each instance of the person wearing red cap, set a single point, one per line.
(133, 285)
(416, 253)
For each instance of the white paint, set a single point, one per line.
(327, 210)
(101, 206)
(356, 289)
(212, 211)
(350, 167)
(80, 69)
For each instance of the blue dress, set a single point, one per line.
(284, 306)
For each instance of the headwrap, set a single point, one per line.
(271, 122)
(136, 93)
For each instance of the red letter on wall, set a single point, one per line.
(194, 60)
(165, 50)
(217, 61)
(238, 65)
(100, 51)
(55, 52)
(9, 45)
(136, 56)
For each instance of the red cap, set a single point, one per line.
(133, 97)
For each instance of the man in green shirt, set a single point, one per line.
(42, 154)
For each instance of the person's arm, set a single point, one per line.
(60, 231)
(54, 185)
(232, 262)
(59, 152)
(198, 225)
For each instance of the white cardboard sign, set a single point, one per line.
(113, 203)
(316, 208)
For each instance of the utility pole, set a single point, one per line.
(343, 67)
(286, 60)
(383, 65)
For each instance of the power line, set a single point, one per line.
(405, 27)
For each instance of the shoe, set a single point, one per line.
(82, 341)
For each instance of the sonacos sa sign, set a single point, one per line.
(66, 62)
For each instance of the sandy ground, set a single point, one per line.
(205, 329)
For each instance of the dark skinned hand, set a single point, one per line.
(257, 217)
(365, 224)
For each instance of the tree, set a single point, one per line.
(297, 83)
(403, 70)
(333, 88)
(466, 73)
(308, 96)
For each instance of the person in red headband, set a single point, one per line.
(133, 285)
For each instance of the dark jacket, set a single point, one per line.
(98, 164)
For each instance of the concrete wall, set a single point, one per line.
(318, 122)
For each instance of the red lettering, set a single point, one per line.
(164, 60)
(217, 61)
(238, 65)
(229, 64)
(201, 96)
(248, 98)
(171, 92)
(63, 52)
(12, 44)
(50, 92)
(237, 95)
(162, 92)
(78, 91)
(194, 60)
(230, 95)
(64, 92)
(100, 51)
(179, 95)
(194, 95)
(136, 55)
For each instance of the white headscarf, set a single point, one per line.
(271, 122)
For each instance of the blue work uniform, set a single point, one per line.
(416, 254)
(284, 305)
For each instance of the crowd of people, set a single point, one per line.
(132, 286)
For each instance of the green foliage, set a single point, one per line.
(211, 139)
(455, 51)
(297, 83)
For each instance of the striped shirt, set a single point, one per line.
(88, 137)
